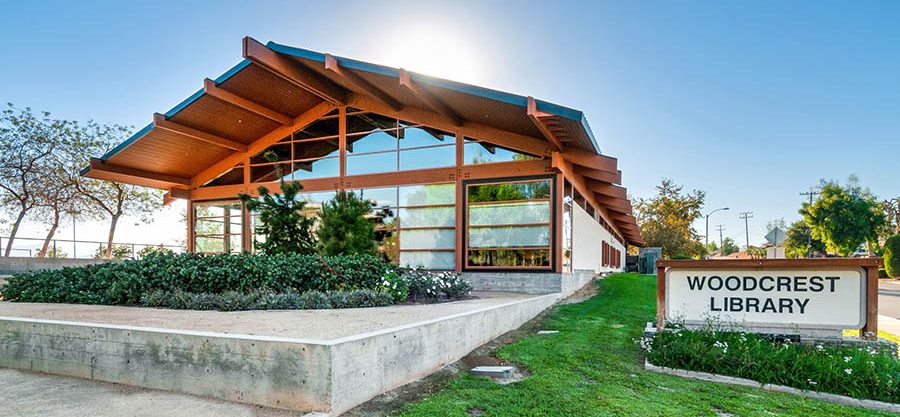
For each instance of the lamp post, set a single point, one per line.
(74, 213)
(707, 222)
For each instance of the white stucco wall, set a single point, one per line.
(587, 242)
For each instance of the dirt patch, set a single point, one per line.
(485, 355)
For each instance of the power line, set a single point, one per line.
(746, 216)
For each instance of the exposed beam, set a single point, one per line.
(261, 144)
(131, 173)
(354, 79)
(515, 141)
(288, 69)
(535, 115)
(210, 88)
(608, 190)
(591, 160)
(580, 184)
(160, 122)
(429, 99)
(604, 176)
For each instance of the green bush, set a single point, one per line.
(343, 226)
(892, 256)
(861, 372)
(425, 285)
(125, 283)
(265, 300)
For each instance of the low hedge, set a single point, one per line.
(126, 283)
(860, 372)
(264, 300)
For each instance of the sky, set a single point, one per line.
(750, 101)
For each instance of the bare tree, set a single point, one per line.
(27, 143)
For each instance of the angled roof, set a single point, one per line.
(276, 86)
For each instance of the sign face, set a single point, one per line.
(776, 236)
(781, 298)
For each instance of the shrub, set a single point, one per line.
(892, 256)
(425, 285)
(344, 228)
(861, 372)
(125, 283)
(264, 300)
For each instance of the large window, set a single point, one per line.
(313, 207)
(378, 143)
(480, 152)
(416, 224)
(508, 224)
(218, 227)
(312, 152)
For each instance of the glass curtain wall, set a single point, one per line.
(218, 227)
(509, 224)
(378, 144)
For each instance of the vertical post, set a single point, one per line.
(557, 210)
(660, 296)
(246, 230)
(190, 225)
(460, 225)
(870, 330)
(342, 141)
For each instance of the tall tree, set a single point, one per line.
(729, 247)
(112, 200)
(344, 228)
(844, 217)
(799, 244)
(892, 211)
(27, 144)
(666, 220)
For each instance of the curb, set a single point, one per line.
(730, 380)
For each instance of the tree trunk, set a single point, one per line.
(15, 229)
(46, 245)
(112, 233)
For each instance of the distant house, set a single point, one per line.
(464, 178)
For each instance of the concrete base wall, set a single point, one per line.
(304, 375)
(529, 282)
(17, 265)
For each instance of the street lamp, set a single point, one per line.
(707, 222)
(74, 244)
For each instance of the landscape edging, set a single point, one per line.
(730, 380)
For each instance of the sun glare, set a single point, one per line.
(432, 51)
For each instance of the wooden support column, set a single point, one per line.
(870, 330)
(560, 185)
(460, 195)
(190, 225)
(342, 142)
(660, 297)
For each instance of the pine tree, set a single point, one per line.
(344, 228)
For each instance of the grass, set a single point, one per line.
(593, 367)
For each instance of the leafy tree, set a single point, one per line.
(756, 252)
(729, 247)
(711, 247)
(153, 250)
(797, 244)
(27, 144)
(112, 199)
(344, 228)
(282, 217)
(892, 256)
(891, 209)
(666, 219)
(844, 217)
(779, 223)
(117, 252)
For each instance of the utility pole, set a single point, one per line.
(746, 216)
(720, 228)
(812, 193)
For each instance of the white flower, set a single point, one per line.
(848, 371)
(847, 359)
(820, 348)
(811, 382)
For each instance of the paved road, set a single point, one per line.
(889, 298)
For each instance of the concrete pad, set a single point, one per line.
(548, 331)
(502, 372)
(34, 394)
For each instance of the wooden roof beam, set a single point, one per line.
(160, 122)
(170, 180)
(535, 115)
(354, 79)
(288, 69)
(429, 99)
(210, 88)
(591, 160)
(609, 190)
(603, 176)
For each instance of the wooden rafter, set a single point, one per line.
(604, 176)
(536, 117)
(429, 99)
(354, 79)
(291, 71)
(210, 88)
(160, 122)
(591, 160)
(261, 144)
(608, 190)
(100, 167)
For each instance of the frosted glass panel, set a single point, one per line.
(509, 237)
(428, 239)
(510, 213)
(423, 195)
(428, 217)
(431, 260)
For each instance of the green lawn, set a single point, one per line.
(593, 368)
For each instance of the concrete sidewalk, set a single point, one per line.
(36, 394)
(889, 325)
